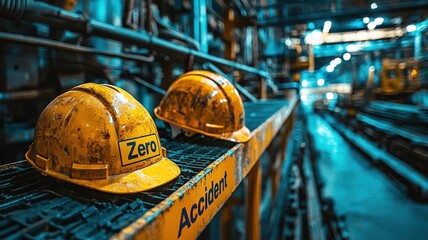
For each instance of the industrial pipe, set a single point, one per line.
(44, 13)
(240, 88)
(26, 94)
(148, 85)
(36, 41)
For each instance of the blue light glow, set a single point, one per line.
(411, 28)
(352, 48)
(304, 97)
(371, 25)
(305, 83)
(335, 62)
(379, 20)
(366, 20)
(327, 26)
(346, 56)
(314, 37)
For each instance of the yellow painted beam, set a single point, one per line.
(186, 213)
(254, 189)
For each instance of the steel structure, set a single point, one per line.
(211, 171)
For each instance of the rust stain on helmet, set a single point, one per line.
(100, 137)
(207, 103)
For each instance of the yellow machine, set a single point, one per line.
(206, 103)
(399, 76)
(100, 137)
(65, 4)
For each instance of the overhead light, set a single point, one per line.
(327, 26)
(304, 97)
(314, 37)
(305, 83)
(329, 68)
(337, 61)
(308, 38)
(352, 48)
(320, 82)
(371, 25)
(411, 28)
(379, 20)
(366, 20)
(346, 56)
(373, 6)
(329, 95)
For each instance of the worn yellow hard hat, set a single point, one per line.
(207, 103)
(100, 137)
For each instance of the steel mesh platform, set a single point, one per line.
(33, 206)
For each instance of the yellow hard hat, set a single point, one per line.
(207, 103)
(100, 137)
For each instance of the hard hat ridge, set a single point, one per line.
(100, 137)
(205, 102)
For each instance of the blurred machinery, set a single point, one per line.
(383, 110)
(398, 77)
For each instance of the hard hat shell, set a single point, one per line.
(100, 137)
(207, 103)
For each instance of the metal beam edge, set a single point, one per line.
(173, 217)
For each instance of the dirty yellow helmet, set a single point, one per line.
(100, 137)
(205, 102)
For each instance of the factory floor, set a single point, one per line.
(372, 203)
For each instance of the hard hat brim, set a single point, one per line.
(140, 180)
(240, 136)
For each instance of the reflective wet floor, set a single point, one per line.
(374, 206)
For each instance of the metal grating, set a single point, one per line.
(33, 206)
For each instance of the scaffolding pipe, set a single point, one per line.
(41, 12)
